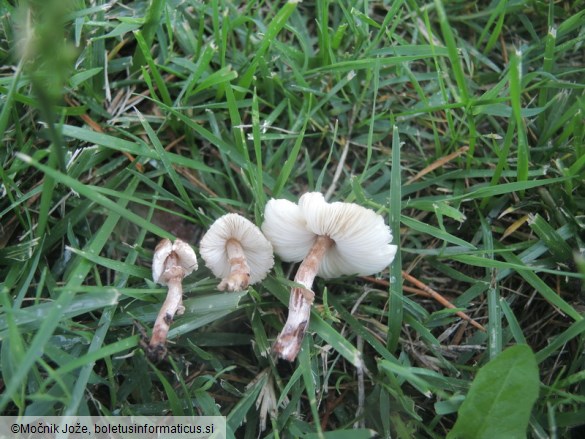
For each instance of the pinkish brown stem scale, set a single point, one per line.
(173, 304)
(239, 276)
(288, 342)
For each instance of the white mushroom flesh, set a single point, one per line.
(362, 239)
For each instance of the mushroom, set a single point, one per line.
(170, 264)
(236, 251)
(332, 239)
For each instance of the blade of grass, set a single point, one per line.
(31, 317)
(513, 324)
(291, 159)
(453, 53)
(557, 246)
(152, 18)
(361, 330)
(395, 311)
(434, 231)
(7, 107)
(575, 330)
(499, 12)
(275, 26)
(175, 403)
(548, 64)
(479, 261)
(13, 351)
(98, 339)
(493, 295)
(258, 184)
(137, 149)
(179, 186)
(542, 288)
(323, 32)
(237, 415)
(515, 79)
(98, 198)
(305, 365)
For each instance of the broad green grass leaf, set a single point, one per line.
(203, 310)
(501, 397)
(221, 76)
(31, 317)
(408, 374)
(199, 311)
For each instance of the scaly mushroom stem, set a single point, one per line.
(239, 276)
(173, 304)
(288, 342)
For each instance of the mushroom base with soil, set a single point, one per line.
(172, 305)
(171, 263)
(288, 343)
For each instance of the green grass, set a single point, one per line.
(123, 123)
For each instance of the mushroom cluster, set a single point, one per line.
(233, 248)
(331, 239)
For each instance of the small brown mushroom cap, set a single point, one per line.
(361, 238)
(171, 257)
(234, 227)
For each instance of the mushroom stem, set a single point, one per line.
(288, 342)
(172, 305)
(239, 276)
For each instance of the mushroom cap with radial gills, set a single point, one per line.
(361, 239)
(235, 228)
(169, 254)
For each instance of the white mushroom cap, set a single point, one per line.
(362, 239)
(185, 259)
(256, 247)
